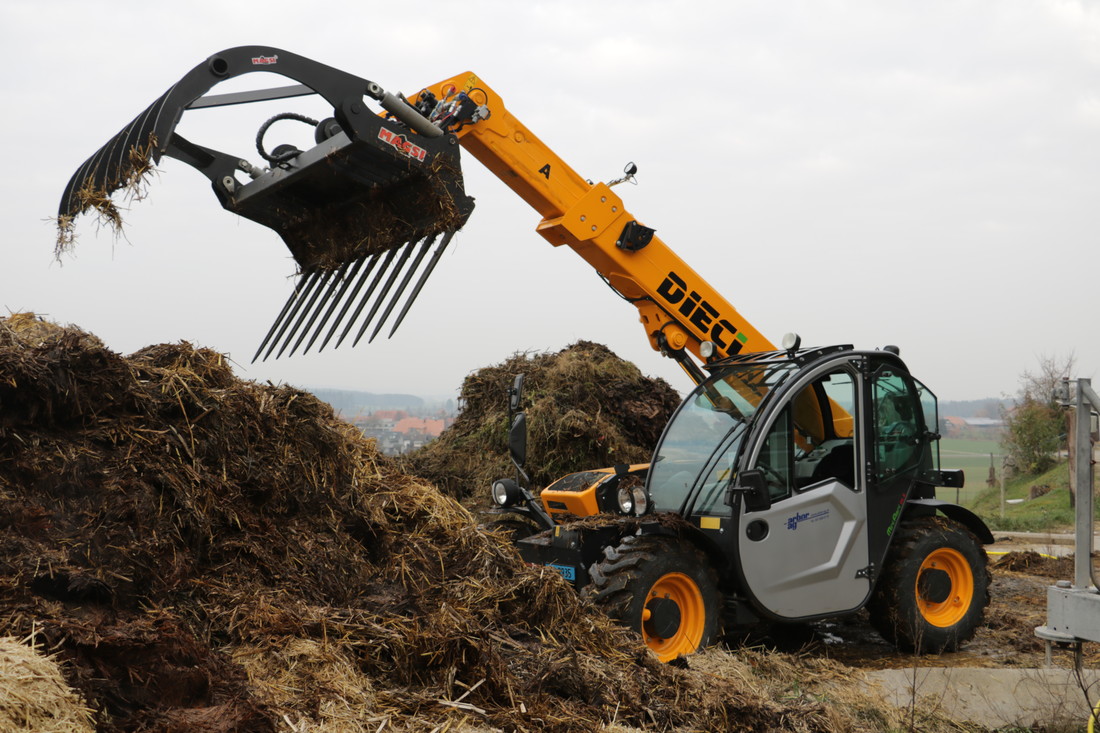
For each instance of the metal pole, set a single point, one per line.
(1003, 472)
(1082, 563)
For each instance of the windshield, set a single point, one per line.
(705, 435)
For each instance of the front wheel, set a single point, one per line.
(934, 587)
(661, 587)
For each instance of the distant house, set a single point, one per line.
(398, 432)
(424, 426)
(381, 419)
(972, 427)
(985, 422)
(954, 425)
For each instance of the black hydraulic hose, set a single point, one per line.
(276, 159)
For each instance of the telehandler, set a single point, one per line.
(792, 484)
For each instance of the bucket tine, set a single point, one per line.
(374, 259)
(332, 280)
(312, 276)
(322, 298)
(428, 242)
(282, 314)
(423, 279)
(363, 301)
(323, 276)
(345, 282)
(385, 290)
(334, 285)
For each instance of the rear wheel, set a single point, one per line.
(661, 587)
(934, 587)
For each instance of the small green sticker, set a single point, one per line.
(742, 337)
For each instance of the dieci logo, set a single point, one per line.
(701, 314)
(401, 144)
(264, 60)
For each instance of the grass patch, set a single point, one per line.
(1050, 512)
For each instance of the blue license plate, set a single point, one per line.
(566, 571)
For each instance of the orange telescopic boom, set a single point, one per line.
(368, 211)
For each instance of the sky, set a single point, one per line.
(924, 174)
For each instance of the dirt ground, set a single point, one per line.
(997, 681)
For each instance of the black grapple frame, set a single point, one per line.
(360, 211)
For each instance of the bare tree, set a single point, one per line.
(1035, 425)
(1040, 384)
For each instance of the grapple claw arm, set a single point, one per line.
(374, 183)
(148, 136)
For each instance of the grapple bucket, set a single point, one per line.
(360, 211)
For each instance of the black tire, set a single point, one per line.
(934, 587)
(663, 588)
(514, 529)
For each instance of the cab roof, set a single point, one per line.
(799, 356)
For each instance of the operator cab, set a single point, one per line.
(796, 465)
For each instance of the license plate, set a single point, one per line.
(566, 571)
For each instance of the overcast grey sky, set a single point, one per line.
(917, 173)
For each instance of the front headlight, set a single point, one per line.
(626, 500)
(633, 500)
(506, 493)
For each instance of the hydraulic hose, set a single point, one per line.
(279, 158)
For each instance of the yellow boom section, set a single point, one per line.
(678, 308)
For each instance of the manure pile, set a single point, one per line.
(586, 408)
(207, 554)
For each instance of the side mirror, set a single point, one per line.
(950, 478)
(515, 395)
(517, 440)
(754, 488)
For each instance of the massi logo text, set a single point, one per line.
(800, 517)
(402, 144)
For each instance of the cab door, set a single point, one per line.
(807, 555)
(902, 448)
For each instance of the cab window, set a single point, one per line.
(898, 426)
(811, 441)
(776, 456)
(929, 407)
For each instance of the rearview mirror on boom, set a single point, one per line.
(517, 440)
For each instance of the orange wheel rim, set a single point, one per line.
(944, 587)
(682, 591)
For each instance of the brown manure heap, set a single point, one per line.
(586, 408)
(206, 554)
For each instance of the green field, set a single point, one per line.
(1050, 512)
(972, 456)
(1046, 513)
